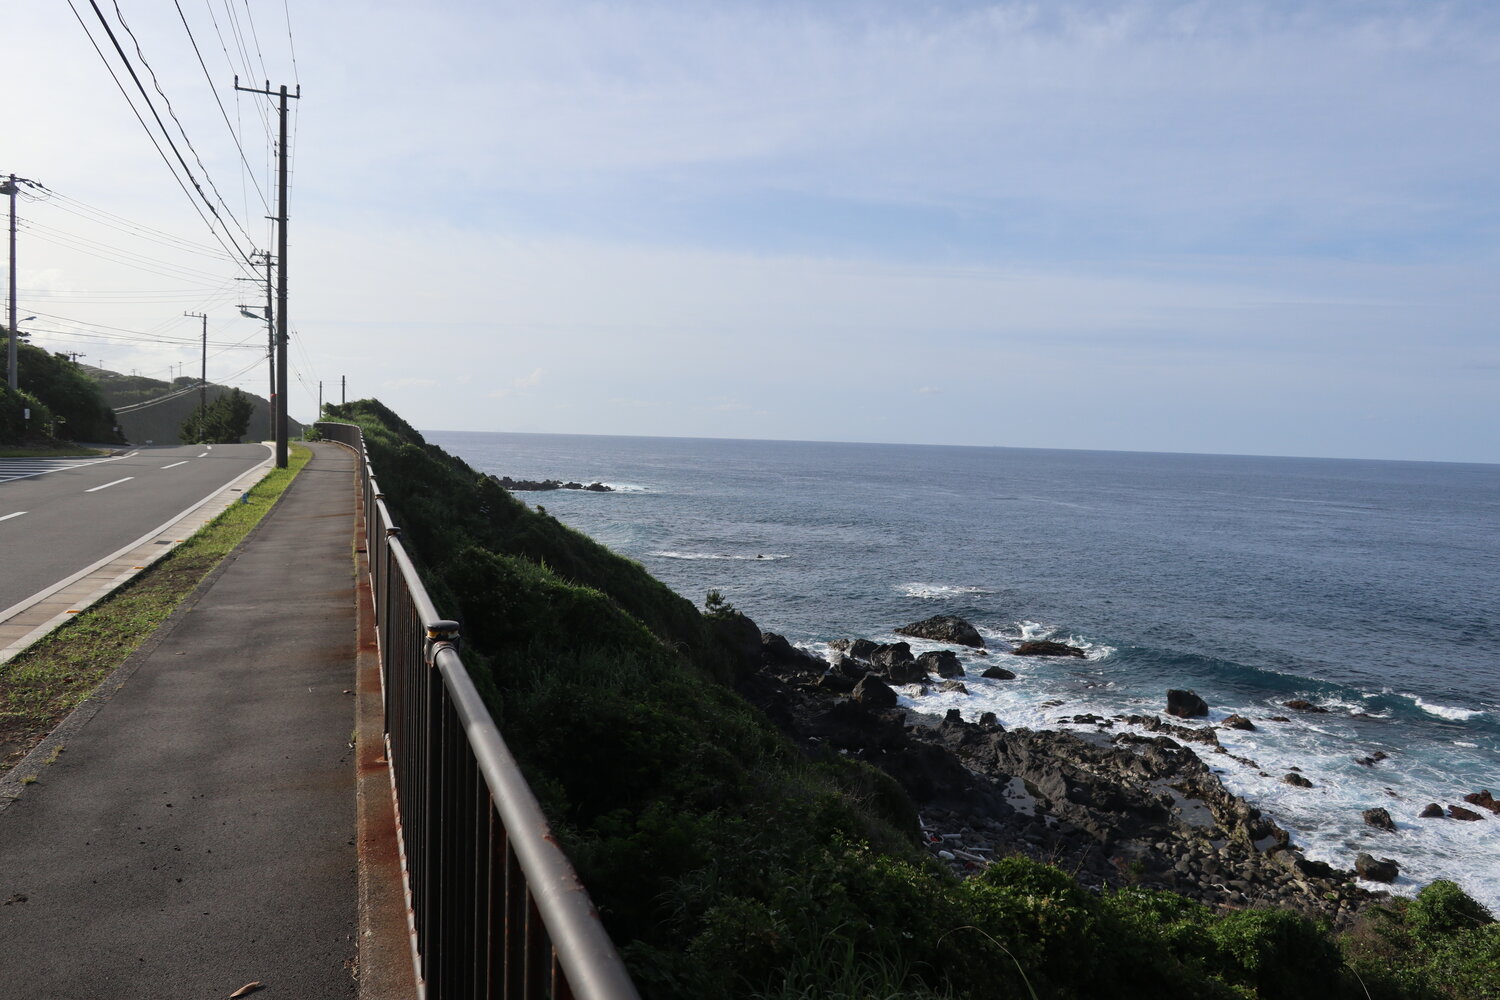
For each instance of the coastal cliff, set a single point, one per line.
(747, 829)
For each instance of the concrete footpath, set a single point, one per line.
(198, 832)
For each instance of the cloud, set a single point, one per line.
(928, 390)
(519, 385)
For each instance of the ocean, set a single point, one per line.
(1369, 588)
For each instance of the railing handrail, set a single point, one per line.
(590, 965)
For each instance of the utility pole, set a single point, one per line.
(12, 375)
(343, 387)
(320, 399)
(203, 384)
(281, 219)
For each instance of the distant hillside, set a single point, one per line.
(163, 413)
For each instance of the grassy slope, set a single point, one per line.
(40, 686)
(727, 864)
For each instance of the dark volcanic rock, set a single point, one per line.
(1379, 819)
(895, 663)
(1193, 734)
(944, 628)
(1382, 870)
(740, 635)
(1046, 647)
(782, 655)
(1303, 705)
(957, 686)
(1293, 778)
(1459, 812)
(860, 649)
(1238, 722)
(998, 674)
(944, 663)
(1185, 704)
(532, 485)
(1431, 810)
(1484, 800)
(850, 725)
(874, 692)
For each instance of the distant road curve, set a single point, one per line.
(58, 516)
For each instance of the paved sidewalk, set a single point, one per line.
(198, 833)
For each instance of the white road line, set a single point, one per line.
(106, 486)
(204, 455)
(176, 464)
(7, 517)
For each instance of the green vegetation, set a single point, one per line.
(224, 421)
(65, 403)
(41, 685)
(726, 863)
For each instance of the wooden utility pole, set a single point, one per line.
(281, 218)
(203, 379)
(12, 375)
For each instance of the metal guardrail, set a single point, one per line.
(496, 906)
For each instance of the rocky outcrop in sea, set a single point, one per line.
(532, 485)
(1116, 807)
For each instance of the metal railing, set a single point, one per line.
(496, 906)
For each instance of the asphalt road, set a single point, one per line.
(54, 524)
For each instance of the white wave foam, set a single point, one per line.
(1470, 746)
(939, 591)
(627, 487)
(1444, 712)
(760, 557)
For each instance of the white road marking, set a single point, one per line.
(7, 517)
(106, 486)
(204, 455)
(176, 464)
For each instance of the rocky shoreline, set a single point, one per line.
(536, 485)
(1115, 808)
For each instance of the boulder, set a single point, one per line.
(739, 636)
(944, 663)
(1379, 819)
(1293, 778)
(998, 674)
(1431, 810)
(1459, 812)
(1046, 647)
(872, 692)
(944, 628)
(988, 719)
(1303, 705)
(1185, 704)
(1484, 800)
(860, 649)
(780, 654)
(1381, 870)
(1238, 722)
(955, 686)
(888, 654)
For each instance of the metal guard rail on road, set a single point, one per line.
(496, 905)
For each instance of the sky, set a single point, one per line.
(1249, 228)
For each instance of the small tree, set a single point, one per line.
(224, 422)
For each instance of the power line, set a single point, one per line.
(125, 60)
(120, 16)
(215, 91)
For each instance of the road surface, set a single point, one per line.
(60, 516)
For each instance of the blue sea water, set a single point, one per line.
(1369, 588)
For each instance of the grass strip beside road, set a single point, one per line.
(44, 683)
